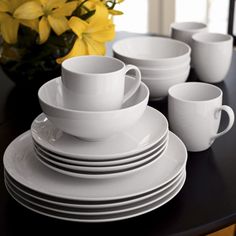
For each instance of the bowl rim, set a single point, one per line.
(227, 38)
(151, 38)
(178, 26)
(64, 109)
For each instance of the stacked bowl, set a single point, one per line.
(163, 62)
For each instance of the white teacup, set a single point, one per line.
(194, 111)
(96, 83)
(211, 55)
(183, 31)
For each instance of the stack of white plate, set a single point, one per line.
(122, 153)
(51, 193)
(163, 62)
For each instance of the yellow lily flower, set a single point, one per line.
(91, 35)
(52, 14)
(9, 25)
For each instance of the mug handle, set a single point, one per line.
(137, 82)
(230, 114)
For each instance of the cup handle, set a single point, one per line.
(230, 113)
(137, 82)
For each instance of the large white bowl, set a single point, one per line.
(159, 86)
(147, 51)
(91, 125)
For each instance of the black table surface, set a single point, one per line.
(206, 203)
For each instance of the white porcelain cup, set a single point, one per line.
(194, 111)
(183, 31)
(211, 56)
(96, 83)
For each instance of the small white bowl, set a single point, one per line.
(150, 51)
(91, 125)
(159, 86)
(166, 72)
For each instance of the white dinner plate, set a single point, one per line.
(101, 211)
(101, 169)
(121, 161)
(21, 164)
(148, 131)
(92, 205)
(142, 209)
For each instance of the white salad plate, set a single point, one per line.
(98, 163)
(144, 134)
(97, 169)
(144, 207)
(22, 166)
(91, 205)
(101, 211)
(100, 172)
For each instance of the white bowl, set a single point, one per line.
(150, 51)
(159, 87)
(91, 125)
(166, 72)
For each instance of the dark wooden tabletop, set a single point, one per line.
(206, 203)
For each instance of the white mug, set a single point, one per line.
(194, 111)
(183, 31)
(211, 56)
(96, 83)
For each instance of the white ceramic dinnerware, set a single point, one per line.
(96, 83)
(94, 207)
(163, 62)
(100, 171)
(102, 209)
(147, 132)
(183, 31)
(104, 163)
(29, 172)
(89, 200)
(92, 125)
(75, 215)
(151, 52)
(194, 111)
(165, 71)
(159, 86)
(104, 169)
(211, 55)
